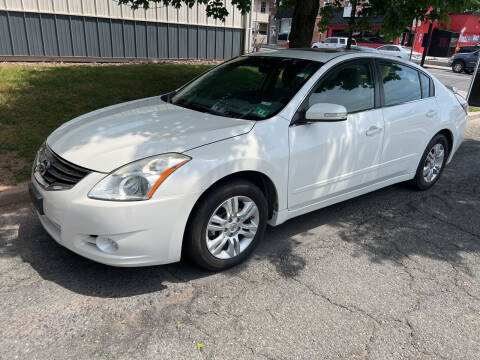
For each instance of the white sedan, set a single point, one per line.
(399, 51)
(259, 139)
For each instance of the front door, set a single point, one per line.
(331, 158)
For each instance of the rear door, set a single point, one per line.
(410, 112)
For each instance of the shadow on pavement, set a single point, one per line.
(387, 225)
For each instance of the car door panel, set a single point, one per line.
(405, 130)
(472, 60)
(409, 115)
(332, 157)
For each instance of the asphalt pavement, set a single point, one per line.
(394, 274)
(448, 77)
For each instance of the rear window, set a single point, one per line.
(401, 83)
(425, 83)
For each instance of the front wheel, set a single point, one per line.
(458, 67)
(226, 226)
(432, 163)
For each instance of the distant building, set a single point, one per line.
(462, 30)
(103, 30)
(260, 21)
(281, 22)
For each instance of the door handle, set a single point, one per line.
(373, 130)
(431, 113)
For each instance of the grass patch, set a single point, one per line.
(473, 109)
(35, 100)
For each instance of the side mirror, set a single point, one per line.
(326, 112)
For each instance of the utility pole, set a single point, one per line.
(427, 45)
(351, 23)
(414, 39)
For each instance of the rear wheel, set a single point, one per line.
(227, 225)
(458, 66)
(432, 163)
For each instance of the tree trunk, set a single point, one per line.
(303, 23)
(351, 23)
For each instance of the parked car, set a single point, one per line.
(363, 49)
(464, 62)
(399, 51)
(332, 42)
(469, 48)
(258, 139)
(354, 48)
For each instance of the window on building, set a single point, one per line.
(350, 85)
(263, 7)
(401, 83)
(285, 25)
(262, 28)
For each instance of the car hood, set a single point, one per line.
(108, 138)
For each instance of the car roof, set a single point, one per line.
(321, 55)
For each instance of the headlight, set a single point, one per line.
(137, 180)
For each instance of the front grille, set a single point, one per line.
(57, 173)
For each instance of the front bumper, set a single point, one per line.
(147, 232)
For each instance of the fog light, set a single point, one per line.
(106, 244)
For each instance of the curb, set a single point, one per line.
(442, 64)
(19, 194)
(473, 115)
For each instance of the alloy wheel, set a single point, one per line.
(232, 227)
(433, 163)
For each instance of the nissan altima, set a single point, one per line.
(257, 140)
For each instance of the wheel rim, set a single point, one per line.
(433, 163)
(458, 67)
(232, 227)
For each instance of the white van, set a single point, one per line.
(333, 42)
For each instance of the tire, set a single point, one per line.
(199, 236)
(431, 165)
(458, 66)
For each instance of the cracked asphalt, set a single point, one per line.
(394, 274)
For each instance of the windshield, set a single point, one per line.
(250, 87)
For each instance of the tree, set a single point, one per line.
(474, 6)
(215, 8)
(397, 14)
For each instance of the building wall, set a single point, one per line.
(103, 29)
(467, 25)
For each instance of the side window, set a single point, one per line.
(350, 85)
(425, 82)
(342, 41)
(401, 84)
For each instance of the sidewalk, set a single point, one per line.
(443, 62)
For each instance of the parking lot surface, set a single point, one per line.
(394, 274)
(448, 77)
